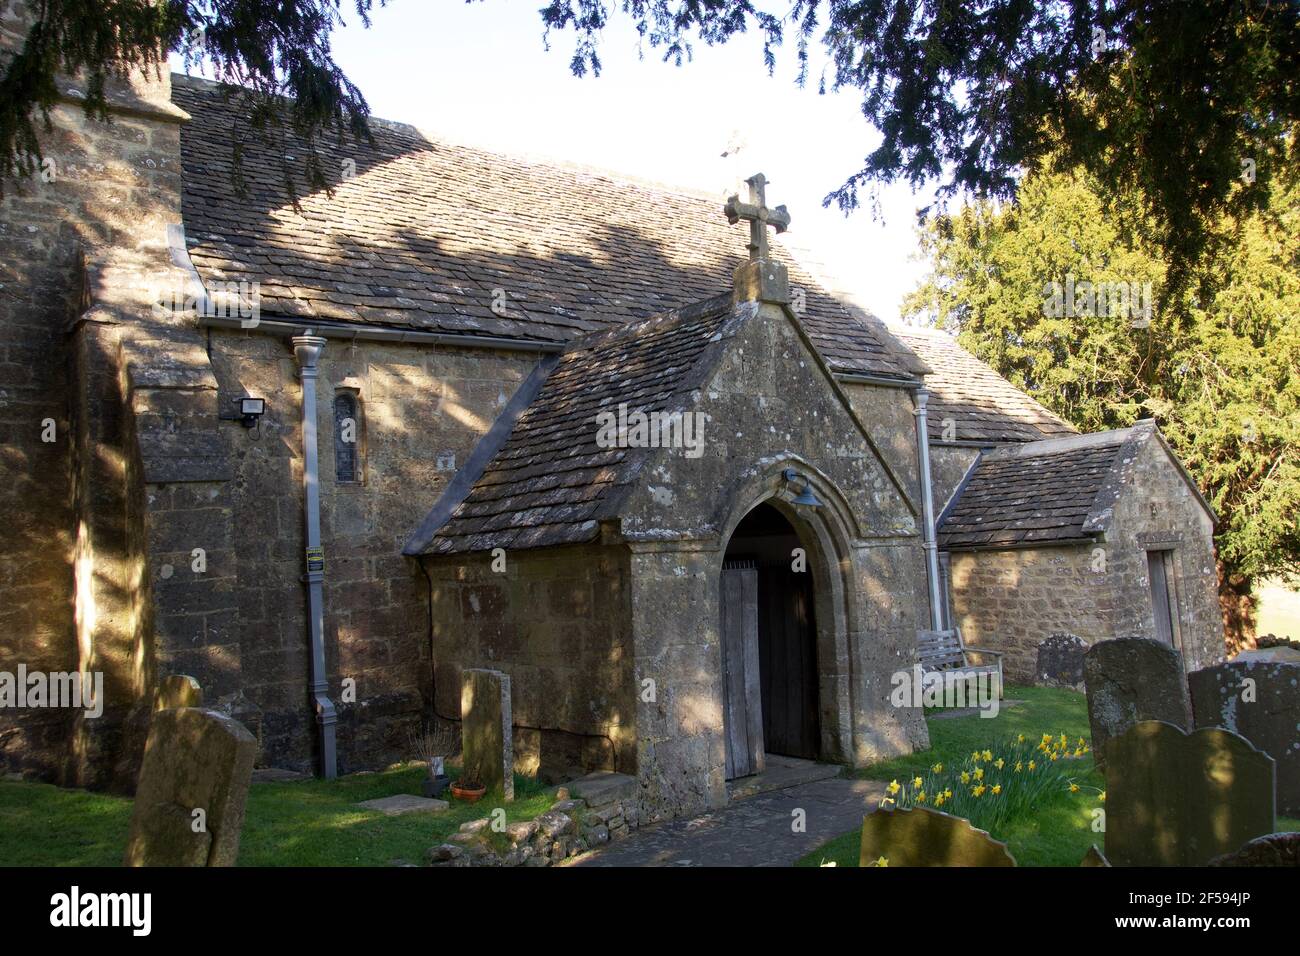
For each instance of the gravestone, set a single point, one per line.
(189, 802)
(1260, 701)
(1276, 849)
(178, 690)
(485, 726)
(1131, 679)
(1060, 661)
(923, 837)
(1177, 799)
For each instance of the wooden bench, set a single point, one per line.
(944, 651)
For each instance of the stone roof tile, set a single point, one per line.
(1042, 492)
(549, 482)
(423, 234)
(982, 405)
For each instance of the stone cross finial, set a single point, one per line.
(758, 215)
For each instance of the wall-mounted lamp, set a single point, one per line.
(251, 410)
(805, 498)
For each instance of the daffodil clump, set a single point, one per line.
(993, 785)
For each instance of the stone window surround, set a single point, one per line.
(351, 387)
(1173, 574)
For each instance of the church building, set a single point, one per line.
(465, 410)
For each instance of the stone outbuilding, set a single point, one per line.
(1102, 535)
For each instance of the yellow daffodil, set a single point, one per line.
(997, 788)
(1020, 739)
(1019, 766)
(975, 756)
(920, 797)
(1102, 796)
(917, 781)
(1074, 788)
(979, 774)
(978, 792)
(999, 763)
(1032, 765)
(965, 777)
(882, 862)
(988, 755)
(1054, 756)
(937, 768)
(893, 787)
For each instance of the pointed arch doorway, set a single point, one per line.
(769, 644)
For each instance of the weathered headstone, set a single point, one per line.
(178, 690)
(1177, 799)
(924, 837)
(189, 802)
(485, 726)
(1276, 849)
(1132, 679)
(1260, 701)
(1060, 660)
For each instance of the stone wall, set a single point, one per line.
(556, 621)
(1160, 511)
(588, 814)
(888, 416)
(421, 411)
(83, 243)
(948, 466)
(1010, 600)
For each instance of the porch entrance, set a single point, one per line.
(769, 649)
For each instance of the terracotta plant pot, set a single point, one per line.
(468, 794)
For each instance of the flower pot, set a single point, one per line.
(466, 793)
(434, 786)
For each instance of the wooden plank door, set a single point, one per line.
(742, 707)
(1158, 576)
(787, 657)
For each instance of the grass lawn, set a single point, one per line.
(308, 823)
(1058, 832)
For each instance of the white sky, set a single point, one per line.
(479, 73)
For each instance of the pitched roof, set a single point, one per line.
(422, 233)
(1054, 491)
(982, 405)
(543, 479)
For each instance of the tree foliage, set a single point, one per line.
(1218, 368)
(274, 55)
(1170, 95)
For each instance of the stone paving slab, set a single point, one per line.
(401, 803)
(752, 832)
(781, 774)
(277, 775)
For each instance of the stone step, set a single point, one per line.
(781, 774)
